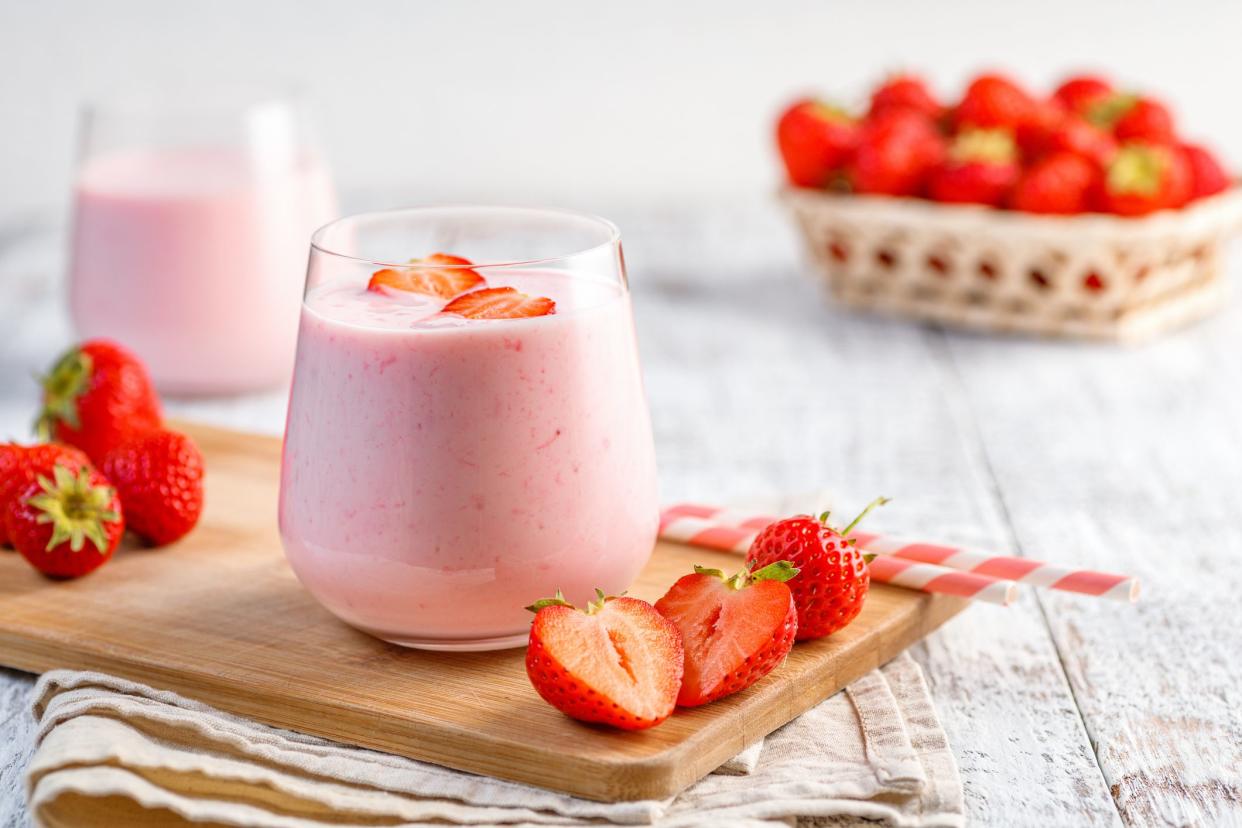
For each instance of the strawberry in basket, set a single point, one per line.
(1085, 147)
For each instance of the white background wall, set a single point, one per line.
(572, 102)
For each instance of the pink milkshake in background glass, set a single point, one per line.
(191, 221)
(442, 471)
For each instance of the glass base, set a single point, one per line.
(451, 645)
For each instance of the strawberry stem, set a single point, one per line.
(879, 501)
(62, 386)
(556, 601)
(778, 571)
(76, 508)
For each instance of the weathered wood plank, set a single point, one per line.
(1130, 460)
(16, 741)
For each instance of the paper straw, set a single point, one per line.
(707, 533)
(1020, 570)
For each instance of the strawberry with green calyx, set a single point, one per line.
(1145, 177)
(1133, 118)
(66, 525)
(833, 578)
(96, 395)
(617, 662)
(735, 629)
(815, 139)
(982, 168)
(21, 465)
(1079, 93)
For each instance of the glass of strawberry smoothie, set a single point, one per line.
(191, 220)
(469, 432)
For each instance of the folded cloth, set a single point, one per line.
(114, 752)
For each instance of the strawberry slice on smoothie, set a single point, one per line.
(440, 274)
(500, 303)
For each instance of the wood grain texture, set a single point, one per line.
(220, 618)
(1148, 485)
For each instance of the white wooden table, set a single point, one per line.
(1062, 710)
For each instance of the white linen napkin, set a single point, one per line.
(114, 752)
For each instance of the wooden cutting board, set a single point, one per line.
(220, 618)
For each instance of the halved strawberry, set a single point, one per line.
(735, 630)
(440, 274)
(500, 303)
(618, 662)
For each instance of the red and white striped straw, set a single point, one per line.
(710, 534)
(1021, 570)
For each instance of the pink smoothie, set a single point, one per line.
(195, 258)
(440, 474)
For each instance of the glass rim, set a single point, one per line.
(211, 98)
(613, 233)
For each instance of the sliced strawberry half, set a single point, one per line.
(618, 662)
(440, 274)
(735, 630)
(500, 303)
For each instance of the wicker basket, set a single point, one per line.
(1091, 276)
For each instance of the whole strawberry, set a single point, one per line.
(1145, 119)
(897, 150)
(1144, 178)
(981, 169)
(815, 139)
(832, 580)
(734, 630)
(904, 92)
(1080, 137)
(993, 101)
(1032, 133)
(1080, 92)
(1059, 184)
(1207, 175)
(97, 394)
(21, 465)
(618, 662)
(11, 476)
(68, 524)
(159, 476)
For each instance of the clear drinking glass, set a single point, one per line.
(191, 220)
(442, 473)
